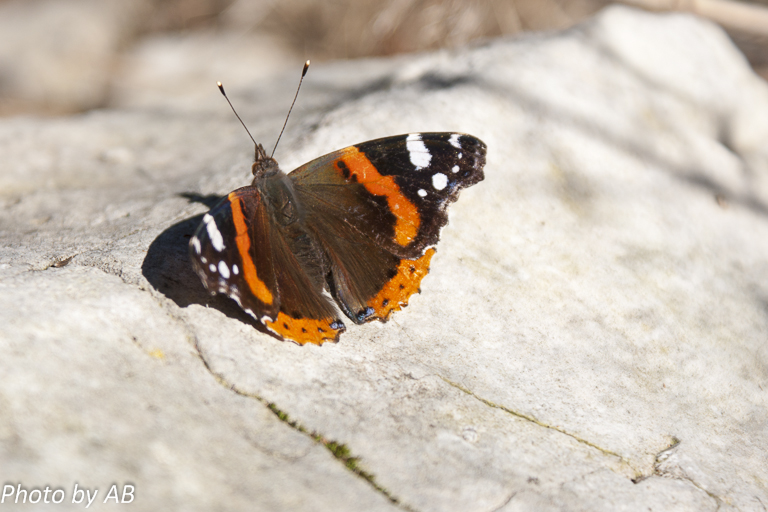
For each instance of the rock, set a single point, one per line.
(591, 335)
(56, 57)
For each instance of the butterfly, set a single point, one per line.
(353, 230)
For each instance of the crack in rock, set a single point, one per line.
(62, 261)
(506, 502)
(666, 466)
(339, 450)
(623, 461)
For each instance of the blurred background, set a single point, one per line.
(66, 56)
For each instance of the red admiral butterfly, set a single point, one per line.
(361, 223)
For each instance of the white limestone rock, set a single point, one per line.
(591, 335)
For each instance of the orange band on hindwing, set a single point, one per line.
(365, 173)
(306, 330)
(406, 282)
(243, 241)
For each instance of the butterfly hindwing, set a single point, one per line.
(306, 314)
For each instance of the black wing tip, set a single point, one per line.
(477, 150)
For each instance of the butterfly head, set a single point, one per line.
(263, 165)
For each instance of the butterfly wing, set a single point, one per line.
(231, 253)
(305, 314)
(378, 207)
(240, 251)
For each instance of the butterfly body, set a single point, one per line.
(355, 229)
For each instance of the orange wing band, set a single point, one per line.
(396, 292)
(408, 220)
(243, 241)
(306, 330)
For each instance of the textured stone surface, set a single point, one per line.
(592, 334)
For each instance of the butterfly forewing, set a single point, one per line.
(232, 253)
(378, 207)
(396, 189)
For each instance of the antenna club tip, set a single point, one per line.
(221, 88)
(306, 67)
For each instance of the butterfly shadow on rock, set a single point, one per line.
(168, 269)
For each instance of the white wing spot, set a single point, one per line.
(223, 270)
(417, 151)
(422, 192)
(461, 155)
(213, 233)
(204, 259)
(439, 181)
(212, 267)
(455, 168)
(454, 140)
(196, 245)
(235, 270)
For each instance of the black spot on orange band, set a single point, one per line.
(306, 330)
(394, 295)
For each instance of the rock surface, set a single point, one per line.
(592, 334)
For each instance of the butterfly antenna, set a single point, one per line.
(303, 73)
(221, 88)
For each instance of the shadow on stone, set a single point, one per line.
(437, 81)
(209, 200)
(168, 269)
